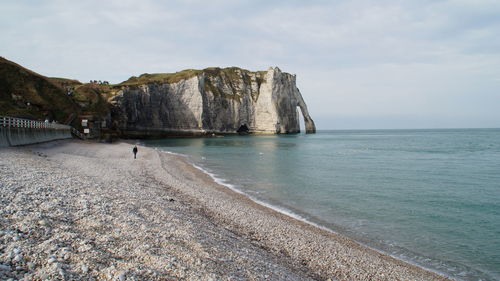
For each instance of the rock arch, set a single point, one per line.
(310, 127)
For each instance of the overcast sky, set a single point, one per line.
(359, 64)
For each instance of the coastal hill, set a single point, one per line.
(189, 102)
(26, 94)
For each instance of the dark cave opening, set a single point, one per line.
(243, 129)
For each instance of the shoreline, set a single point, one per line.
(202, 230)
(290, 215)
(297, 216)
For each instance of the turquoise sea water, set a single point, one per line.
(431, 197)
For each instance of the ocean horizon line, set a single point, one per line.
(408, 129)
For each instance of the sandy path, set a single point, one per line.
(83, 211)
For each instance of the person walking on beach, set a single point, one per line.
(135, 151)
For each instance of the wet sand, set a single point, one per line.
(74, 210)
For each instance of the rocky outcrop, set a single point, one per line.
(213, 100)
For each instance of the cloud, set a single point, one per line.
(352, 57)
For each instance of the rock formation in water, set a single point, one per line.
(207, 101)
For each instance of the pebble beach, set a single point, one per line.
(75, 210)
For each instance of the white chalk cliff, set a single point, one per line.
(212, 100)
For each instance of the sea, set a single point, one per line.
(428, 197)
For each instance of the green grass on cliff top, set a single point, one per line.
(232, 73)
(64, 81)
(168, 78)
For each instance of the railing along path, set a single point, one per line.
(11, 122)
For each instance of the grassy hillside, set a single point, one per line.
(93, 98)
(26, 94)
(64, 82)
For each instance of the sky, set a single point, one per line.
(360, 64)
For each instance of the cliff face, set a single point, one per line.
(210, 101)
(190, 102)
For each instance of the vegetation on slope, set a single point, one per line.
(64, 82)
(93, 98)
(26, 94)
(167, 78)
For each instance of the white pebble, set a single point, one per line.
(31, 266)
(121, 276)
(4, 267)
(17, 258)
(85, 268)
(51, 260)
